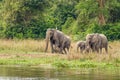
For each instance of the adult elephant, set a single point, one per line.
(57, 39)
(96, 42)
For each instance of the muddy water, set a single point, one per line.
(33, 73)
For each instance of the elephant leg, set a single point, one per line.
(81, 51)
(93, 48)
(52, 49)
(87, 49)
(56, 49)
(100, 50)
(62, 47)
(97, 49)
(106, 49)
(68, 49)
(65, 50)
(57, 45)
(61, 50)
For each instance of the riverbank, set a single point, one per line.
(60, 61)
(31, 53)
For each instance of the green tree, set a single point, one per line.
(63, 10)
(19, 15)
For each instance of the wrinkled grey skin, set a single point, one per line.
(81, 45)
(49, 37)
(104, 43)
(89, 45)
(57, 39)
(96, 42)
(65, 45)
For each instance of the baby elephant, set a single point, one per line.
(81, 45)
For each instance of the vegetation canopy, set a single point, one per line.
(24, 19)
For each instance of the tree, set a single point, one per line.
(101, 18)
(63, 10)
(20, 15)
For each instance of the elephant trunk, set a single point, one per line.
(47, 42)
(87, 46)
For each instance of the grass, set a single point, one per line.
(31, 53)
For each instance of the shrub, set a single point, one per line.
(111, 31)
(35, 29)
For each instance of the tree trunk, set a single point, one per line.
(101, 18)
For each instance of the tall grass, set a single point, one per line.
(21, 46)
(31, 52)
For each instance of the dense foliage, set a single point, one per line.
(31, 18)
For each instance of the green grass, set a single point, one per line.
(57, 62)
(31, 53)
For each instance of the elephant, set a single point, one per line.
(49, 37)
(57, 39)
(96, 42)
(89, 45)
(66, 44)
(104, 43)
(81, 45)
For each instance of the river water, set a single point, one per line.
(35, 73)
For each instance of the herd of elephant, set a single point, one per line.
(61, 43)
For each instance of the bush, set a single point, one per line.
(2, 35)
(112, 31)
(35, 29)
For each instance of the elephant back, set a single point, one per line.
(104, 40)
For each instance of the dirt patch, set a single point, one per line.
(31, 55)
(37, 55)
(3, 56)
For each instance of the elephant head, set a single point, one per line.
(81, 45)
(89, 40)
(49, 36)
